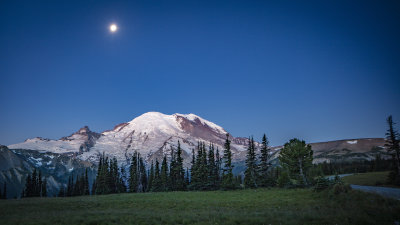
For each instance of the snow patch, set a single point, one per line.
(36, 161)
(352, 142)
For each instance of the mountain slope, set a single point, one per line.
(16, 164)
(152, 134)
(80, 141)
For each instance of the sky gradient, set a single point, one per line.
(319, 71)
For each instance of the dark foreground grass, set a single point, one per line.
(262, 206)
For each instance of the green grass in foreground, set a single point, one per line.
(261, 206)
(369, 179)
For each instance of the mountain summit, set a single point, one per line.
(152, 134)
(155, 135)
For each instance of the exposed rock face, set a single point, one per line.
(80, 141)
(16, 164)
(84, 134)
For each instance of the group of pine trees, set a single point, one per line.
(358, 166)
(109, 177)
(3, 194)
(209, 171)
(35, 185)
(76, 186)
(258, 171)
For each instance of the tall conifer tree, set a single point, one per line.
(250, 179)
(264, 162)
(179, 171)
(164, 175)
(393, 147)
(228, 180)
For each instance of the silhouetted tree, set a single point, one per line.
(393, 147)
(251, 172)
(264, 166)
(228, 180)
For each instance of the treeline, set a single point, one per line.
(362, 166)
(35, 185)
(76, 186)
(211, 171)
(109, 177)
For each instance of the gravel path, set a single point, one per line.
(384, 191)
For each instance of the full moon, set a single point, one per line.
(113, 28)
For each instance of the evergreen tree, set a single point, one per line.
(39, 188)
(179, 171)
(35, 191)
(86, 184)
(122, 186)
(103, 180)
(76, 186)
(218, 163)
(250, 179)
(44, 188)
(187, 178)
(264, 163)
(93, 192)
(164, 175)
(4, 191)
(134, 173)
(212, 169)
(34, 185)
(143, 175)
(28, 187)
(157, 183)
(194, 169)
(199, 176)
(228, 179)
(61, 192)
(70, 186)
(151, 177)
(393, 147)
(172, 172)
(297, 158)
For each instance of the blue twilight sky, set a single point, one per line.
(317, 70)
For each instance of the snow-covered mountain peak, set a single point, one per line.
(152, 134)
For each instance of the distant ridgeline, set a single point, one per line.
(63, 171)
(154, 137)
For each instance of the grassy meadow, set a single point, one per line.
(261, 206)
(369, 179)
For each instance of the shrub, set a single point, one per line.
(321, 183)
(284, 179)
(341, 188)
